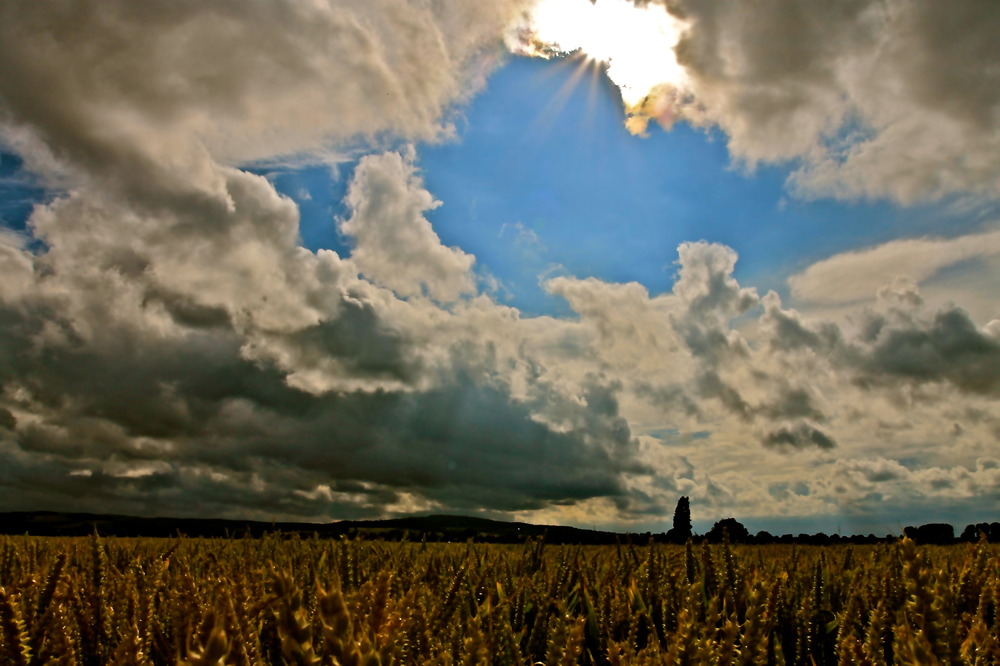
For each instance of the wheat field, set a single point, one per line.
(280, 600)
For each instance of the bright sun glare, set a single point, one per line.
(637, 43)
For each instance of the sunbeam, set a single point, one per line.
(636, 42)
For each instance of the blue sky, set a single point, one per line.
(18, 194)
(541, 179)
(427, 266)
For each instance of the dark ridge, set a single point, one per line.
(439, 528)
(413, 528)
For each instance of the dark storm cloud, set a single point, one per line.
(473, 441)
(462, 447)
(788, 333)
(187, 312)
(948, 348)
(362, 342)
(7, 419)
(799, 436)
(36, 482)
(898, 342)
(710, 385)
(794, 403)
(210, 421)
(148, 388)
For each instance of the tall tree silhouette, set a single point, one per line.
(681, 531)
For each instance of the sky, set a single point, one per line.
(546, 260)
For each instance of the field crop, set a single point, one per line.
(310, 601)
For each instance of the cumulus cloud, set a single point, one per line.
(395, 245)
(681, 350)
(168, 345)
(173, 342)
(173, 422)
(881, 479)
(947, 347)
(111, 87)
(873, 99)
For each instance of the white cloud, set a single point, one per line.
(873, 99)
(857, 276)
(94, 75)
(395, 245)
(881, 479)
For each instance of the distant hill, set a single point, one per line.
(421, 528)
(414, 528)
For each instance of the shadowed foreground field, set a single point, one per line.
(311, 601)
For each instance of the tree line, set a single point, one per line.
(730, 529)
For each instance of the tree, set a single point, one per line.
(973, 532)
(681, 531)
(940, 534)
(728, 528)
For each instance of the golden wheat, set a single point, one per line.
(248, 602)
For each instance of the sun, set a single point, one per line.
(636, 42)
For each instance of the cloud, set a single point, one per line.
(877, 479)
(628, 327)
(90, 76)
(146, 424)
(173, 347)
(7, 419)
(863, 99)
(858, 275)
(705, 282)
(871, 99)
(681, 352)
(949, 347)
(395, 245)
(145, 374)
(895, 345)
(523, 236)
(799, 436)
(168, 345)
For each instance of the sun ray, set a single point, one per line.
(549, 115)
(540, 126)
(635, 43)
